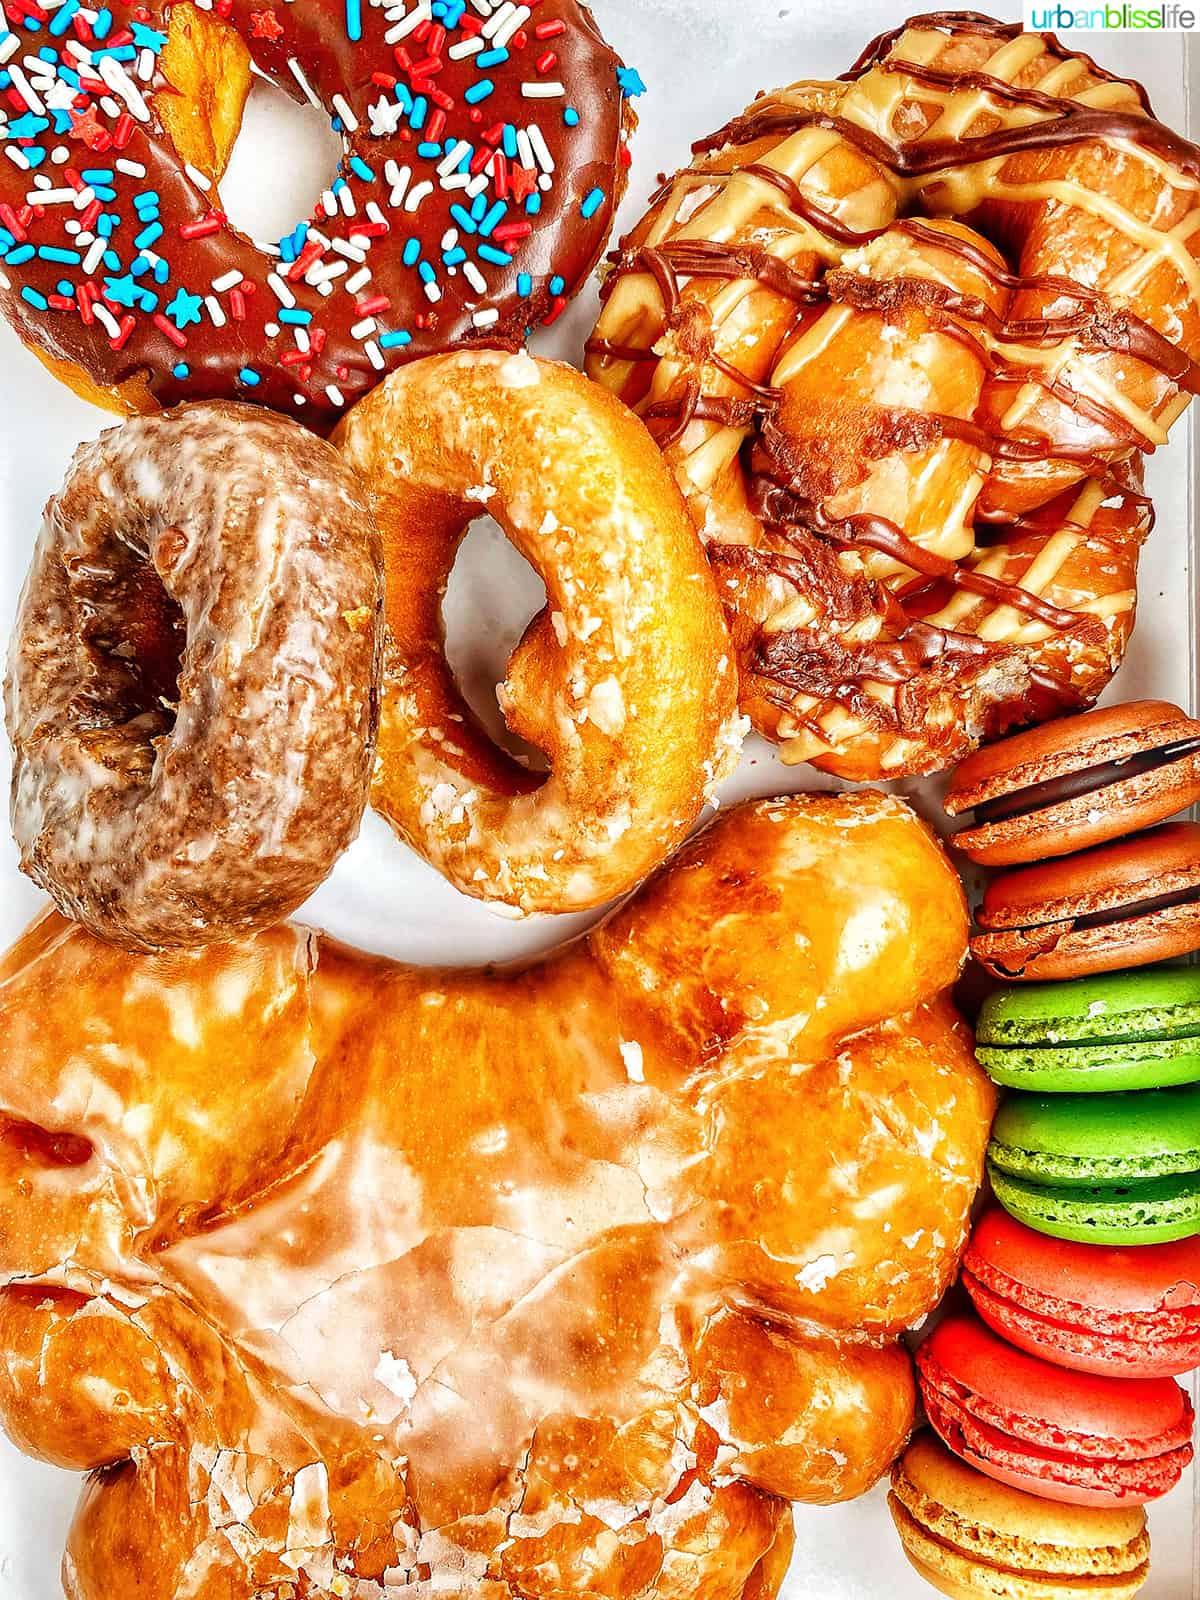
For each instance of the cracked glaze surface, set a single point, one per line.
(191, 694)
(497, 1284)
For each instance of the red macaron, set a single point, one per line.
(1129, 1311)
(1068, 1436)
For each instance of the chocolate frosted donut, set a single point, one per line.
(191, 695)
(483, 157)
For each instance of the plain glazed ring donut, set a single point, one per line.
(905, 340)
(483, 155)
(192, 686)
(626, 682)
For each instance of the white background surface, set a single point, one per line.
(702, 63)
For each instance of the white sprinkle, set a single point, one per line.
(145, 65)
(359, 281)
(483, 7)
(352, 252)
(106, 320)
(504, 33)
(477, 185)
(346, 196)
(27, 92)
(214, 310)
(94, 256)
(335, 394)
(420, 13)
(9, 47)
(384, 116)
(342, 106)
(322, 273)
(109, 106)
(465, 47)
(432, 293)
(299, 398)
(280, 289)
(306, 88)
(74, 227)
(271, 329)
(474, 277)
(398, 177)
(135, 169)
(374, 355)
(5, 280)
(449, 162)
(540, 148)
(542, 91)
(194, 173)
(545, 183)
(329, 203)
(363, 329)
(84, 197)
(227, 280)
(417, 194)
(375, 214)
(50, 197)
(449, 239)
(525, 148)
(484, 319)
(119, 81)
(303, 342)
(60, 155)
(457, 180)
(498, 18)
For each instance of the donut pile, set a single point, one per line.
(359, 1277)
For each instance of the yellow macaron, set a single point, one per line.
(969, 1536)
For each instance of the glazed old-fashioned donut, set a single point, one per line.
(913, 446)
(626, 682)
(192, 686)
(483, 156)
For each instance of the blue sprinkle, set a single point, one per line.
(478, 91)
(524, 285)
(47, 53)
(181, 370)
(27, 127)
(354, 20)
(248, 375)
(105, 224)
(491, 58)
(556, 285)
(533, 204)
(360, 167)
(336, 124)
(412, 252)
(495, 215)
(61, 20)
(19, 256)
(6, 239)
(417, 116)
(149, 300)
(478, 208)
(71, 78)
(35, 155)
(287, 250)
(295, 316)
(489, 252)
(112, 260)
(97, 175)
(148, 38)
(428, 151)
(103, 192)
(102, 25)
(147, 197)
(389, 341)
(36, 300)
(32, 25)
(571, 117)
(630, 80)
(403, 96)
(149, 235)
(463, 217)
(510, 141)
(426, 272)
(66, 288)
(5, 80)
(161, 271)
(52, 252)
(140, 267)
(592, 203)
(118, 52)
(453, 257)
(338, 185)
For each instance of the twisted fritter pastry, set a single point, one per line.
(353, 1279)
(913, 446)
(625, 682)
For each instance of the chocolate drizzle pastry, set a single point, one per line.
(914, 446)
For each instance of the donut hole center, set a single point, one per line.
(134, 632)
(283, 158)
(492, 594)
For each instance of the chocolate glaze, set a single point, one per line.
(1139, 908)
(1089, 780)
(313, 34)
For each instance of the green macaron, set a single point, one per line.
(1117, 1031)
(1107, 1169)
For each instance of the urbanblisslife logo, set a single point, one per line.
(1166, 18)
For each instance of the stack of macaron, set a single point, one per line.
(1077, 807)
(1054, 1402)
(1057, 1415)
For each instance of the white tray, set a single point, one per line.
(702, 62)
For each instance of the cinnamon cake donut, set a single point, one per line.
(625, 683)
(914, 446)
(191, 695)
(483, 155)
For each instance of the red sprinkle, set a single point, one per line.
(237, 305)
(422, 31)
(550, 30)
(436, 125)
(368, 308)
(313, 251)
(291, 358)
(480, 160)
(556, 311)
(512, 230)
(87, 218)
(179, 340)
(384, 80)
(13, 223)
(316, 337)
(370, 230)
(437, 38)
(59, 302)
(470, 24)
(519, 40)
(544, 63)
(199, 229)
(123, 130)
(124, 328)
(500, 175)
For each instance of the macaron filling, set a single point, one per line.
(1094, 1068)
(1093, 1170)
(1143, 1213)
(1088, 780)
(1161, 1322)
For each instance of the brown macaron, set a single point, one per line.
(1124, 904)
(1077, 782)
